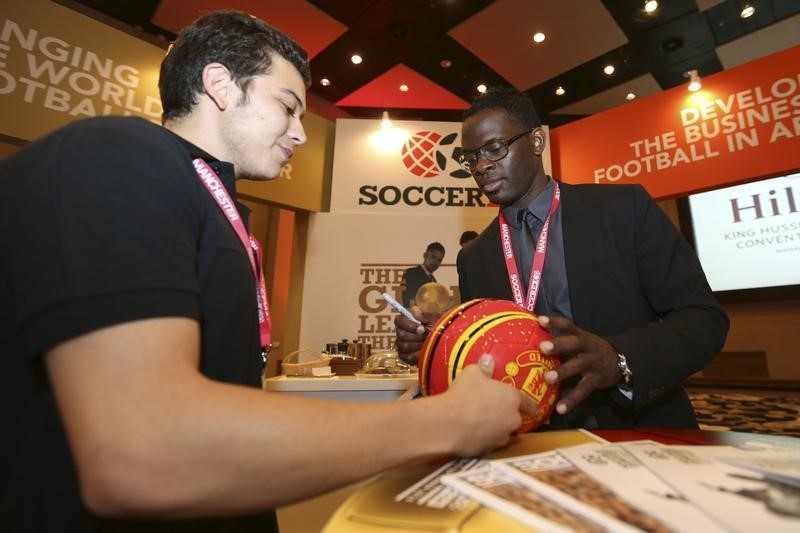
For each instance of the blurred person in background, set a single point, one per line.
(416, 277)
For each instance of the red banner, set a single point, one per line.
(744, 124)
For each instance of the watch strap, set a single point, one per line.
(622, 364)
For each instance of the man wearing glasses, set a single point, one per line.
(601, 265)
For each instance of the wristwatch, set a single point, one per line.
(622, 364)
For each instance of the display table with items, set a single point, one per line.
(357, 376)
(575, 480)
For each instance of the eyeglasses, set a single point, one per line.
(491, 151)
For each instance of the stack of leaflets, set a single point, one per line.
(636, 486)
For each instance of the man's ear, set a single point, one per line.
(539, 141)
(218, 84)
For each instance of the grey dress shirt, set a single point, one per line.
(553, 299)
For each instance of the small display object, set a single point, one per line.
(432, 297)
(306, 363)
(385, 363)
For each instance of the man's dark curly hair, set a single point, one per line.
(435, 246)
(244, 44)
(515, 103)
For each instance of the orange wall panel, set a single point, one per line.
(743, 125)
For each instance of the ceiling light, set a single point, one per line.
(385, 122)
(356, 59)
(445, 63)
(609, 70)
(694, 80)
(748, 10)
(481, 88)
(560, 90)
(650, 6)
(325, 82)
(404, 88)
(630, 96)
(538, 37)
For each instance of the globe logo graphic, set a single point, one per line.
(419, 154)
(423, 155)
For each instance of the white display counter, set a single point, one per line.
(345, 388)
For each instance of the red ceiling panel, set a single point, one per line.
(312, 28)
(384, 92)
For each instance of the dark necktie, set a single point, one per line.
(527, 245)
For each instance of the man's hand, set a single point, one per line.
(410, 336)
(484, 411)
(582, 353)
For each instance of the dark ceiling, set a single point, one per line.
(489, 42)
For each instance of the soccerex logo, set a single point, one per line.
(423, 154)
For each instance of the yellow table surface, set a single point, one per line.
(372, 508)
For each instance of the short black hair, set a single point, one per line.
(467, 236)
(244, 44)
(517, 104)
(435, 246)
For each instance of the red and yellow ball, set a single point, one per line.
(509, 333)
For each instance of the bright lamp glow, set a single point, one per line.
(388, 140)
(694, 81)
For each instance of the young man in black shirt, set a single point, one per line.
(132, 317)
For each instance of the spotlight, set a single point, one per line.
(694, 80)
(560, 90)
(748, 10)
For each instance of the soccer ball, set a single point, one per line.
(509, 333)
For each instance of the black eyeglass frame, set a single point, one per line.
(469, 163)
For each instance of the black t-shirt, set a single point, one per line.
(102, 222)
(413, 279)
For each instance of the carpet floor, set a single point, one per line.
(773, 413)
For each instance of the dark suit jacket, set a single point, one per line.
(413, 279)
(633, 280)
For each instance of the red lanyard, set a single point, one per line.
(212, 182)
(538, 256)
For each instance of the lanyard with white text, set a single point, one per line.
(538, 257)
(212, 182)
